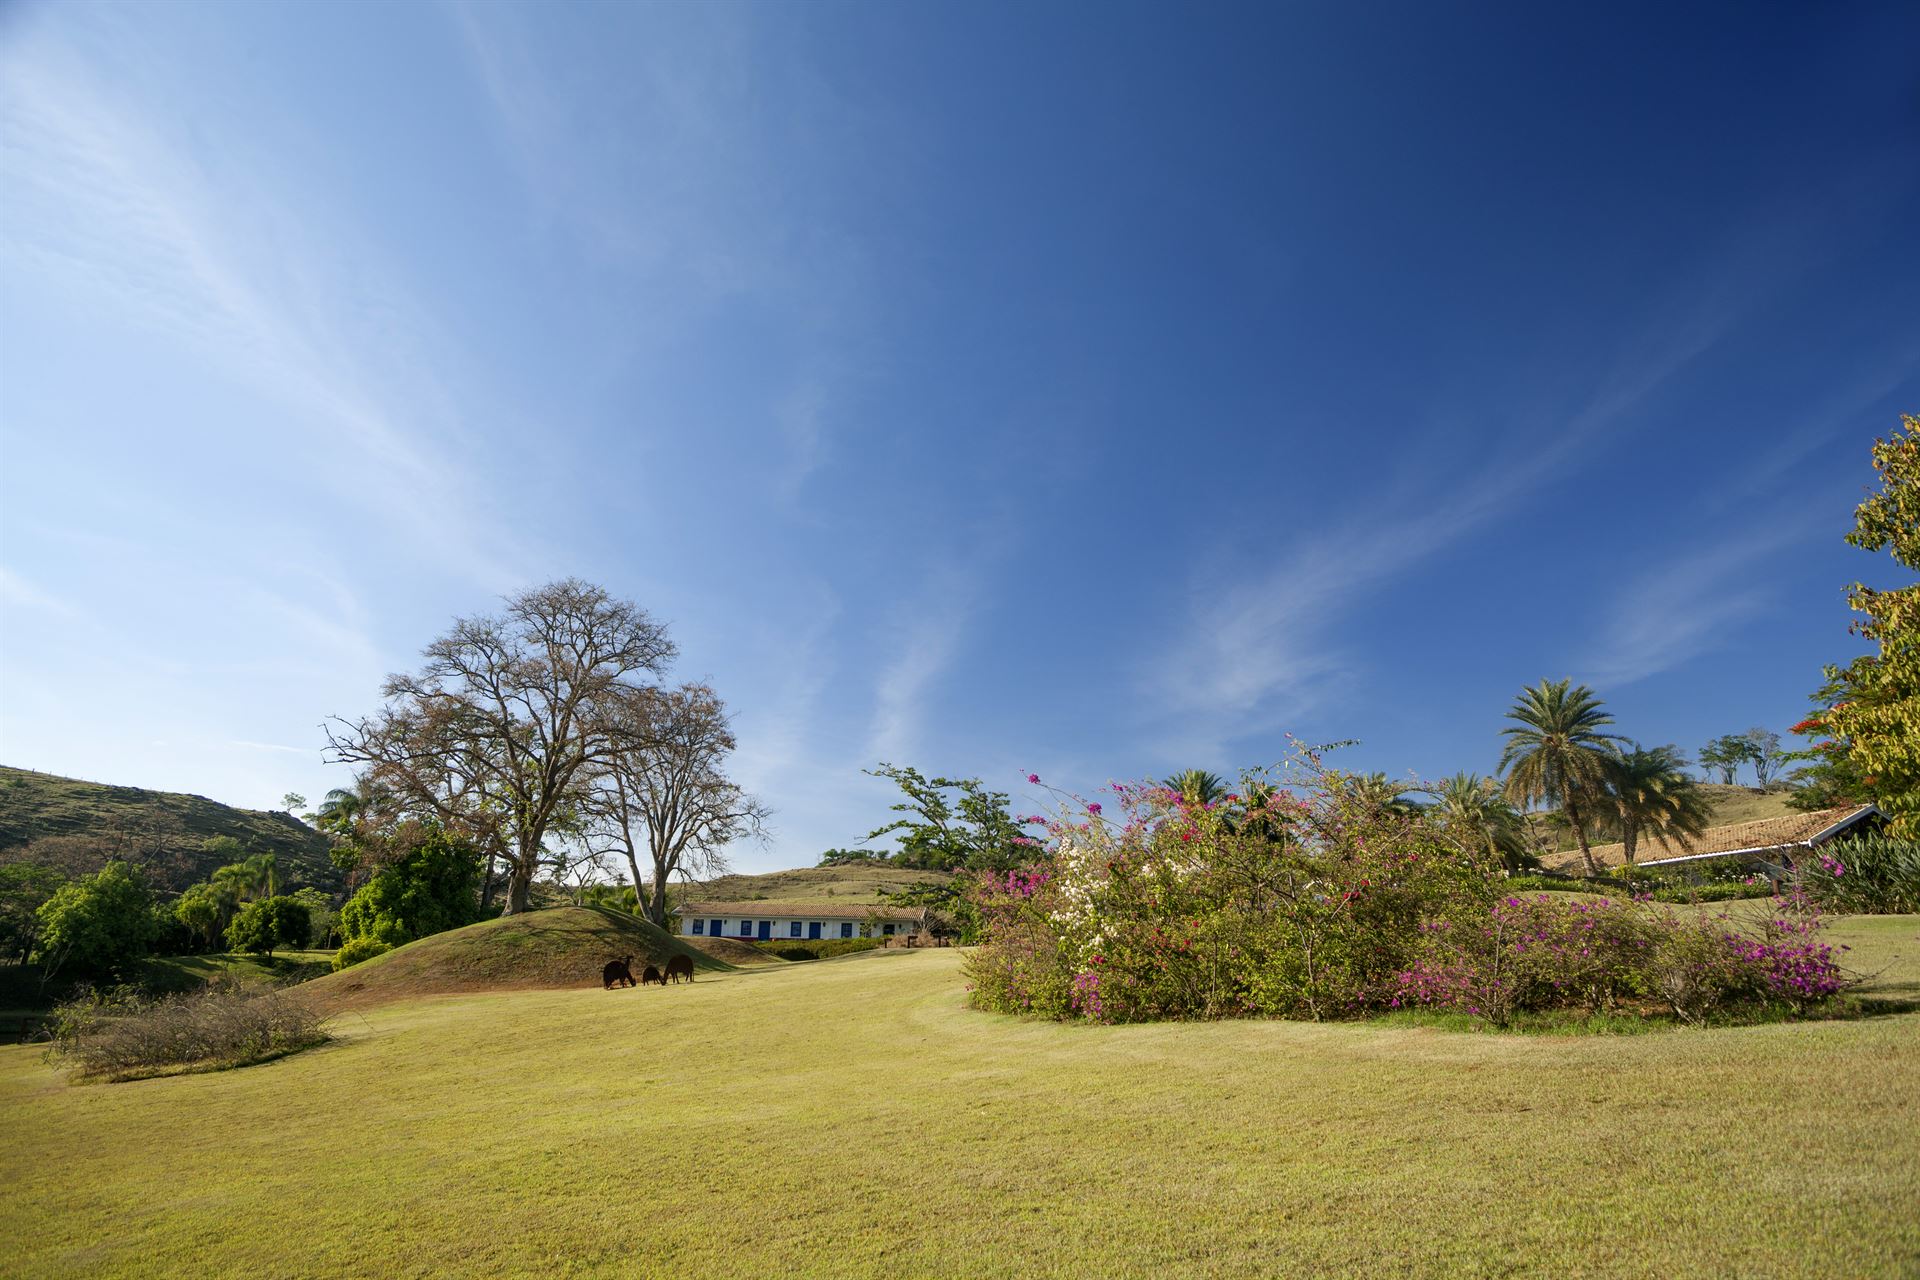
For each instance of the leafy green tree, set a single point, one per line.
(1872, 704)
(99, 924)
(24, 889)
(1653, 796)
(939, 831)
(430, 882)
(269, 923)
(205, 910)
(1763, 753)
(1474, 808)
(1556, 752)
(322, 920)
(1725, 754)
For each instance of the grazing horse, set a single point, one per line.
(617, 972)
(652, 975)
(680, 967)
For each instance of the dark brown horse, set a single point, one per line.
(652, 975)
(617, 972)
(680, 967)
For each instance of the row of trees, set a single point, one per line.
(1757, 747)
(545, 738)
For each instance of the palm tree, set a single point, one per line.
(1558, 754)
(341, 807)
(1473, 805)
(1653, 795)
(1380, 792)
(1197, 786)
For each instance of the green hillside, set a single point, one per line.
(83, 824)
(560, 947)
(844, 884)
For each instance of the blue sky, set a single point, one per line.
(1087, 390)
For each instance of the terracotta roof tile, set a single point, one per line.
(1764, 833)
(802, 910)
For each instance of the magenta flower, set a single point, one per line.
(1033, 777)
(1094, 808)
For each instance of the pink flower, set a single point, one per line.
(1094, 808)
(1033, 777)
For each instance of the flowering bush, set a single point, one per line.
(1313, 900)
(1292, 902)
(1545, 953)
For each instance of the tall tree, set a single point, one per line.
(666, 793)
(1873, 703)
(1556, 752)
(1654, 796)
(1724, 755)
(503, 728)
(1763, 753)
(1474, 807)
(942, 832)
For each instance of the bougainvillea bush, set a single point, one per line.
(1302, 896)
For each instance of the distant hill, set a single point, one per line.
(80, 825)
(560, 947)
(852, 882)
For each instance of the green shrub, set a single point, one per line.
(1714, 891)
(816, 948)
(357, 949)
(1551, 883)
(1865, 875)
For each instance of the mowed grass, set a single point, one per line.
(853, 1118)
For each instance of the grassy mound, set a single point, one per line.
(560, 947)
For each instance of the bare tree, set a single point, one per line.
(666, 793)
(499, 734)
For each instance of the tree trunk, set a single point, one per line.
(1629, 841)
(1580, 834)
(519, 886)
(486, 885)
(657, 898)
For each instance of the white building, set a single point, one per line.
(804, 921)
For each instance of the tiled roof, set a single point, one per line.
(802, 911)
(1765, 833)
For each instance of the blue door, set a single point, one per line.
(713, 927)
(766, 930)
(813, 930)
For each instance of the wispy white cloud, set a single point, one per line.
(1265, 648)
(1672, 614)
(272, 746)
(20, 593)
(103, 198)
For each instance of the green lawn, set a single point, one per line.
(852, 1118)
